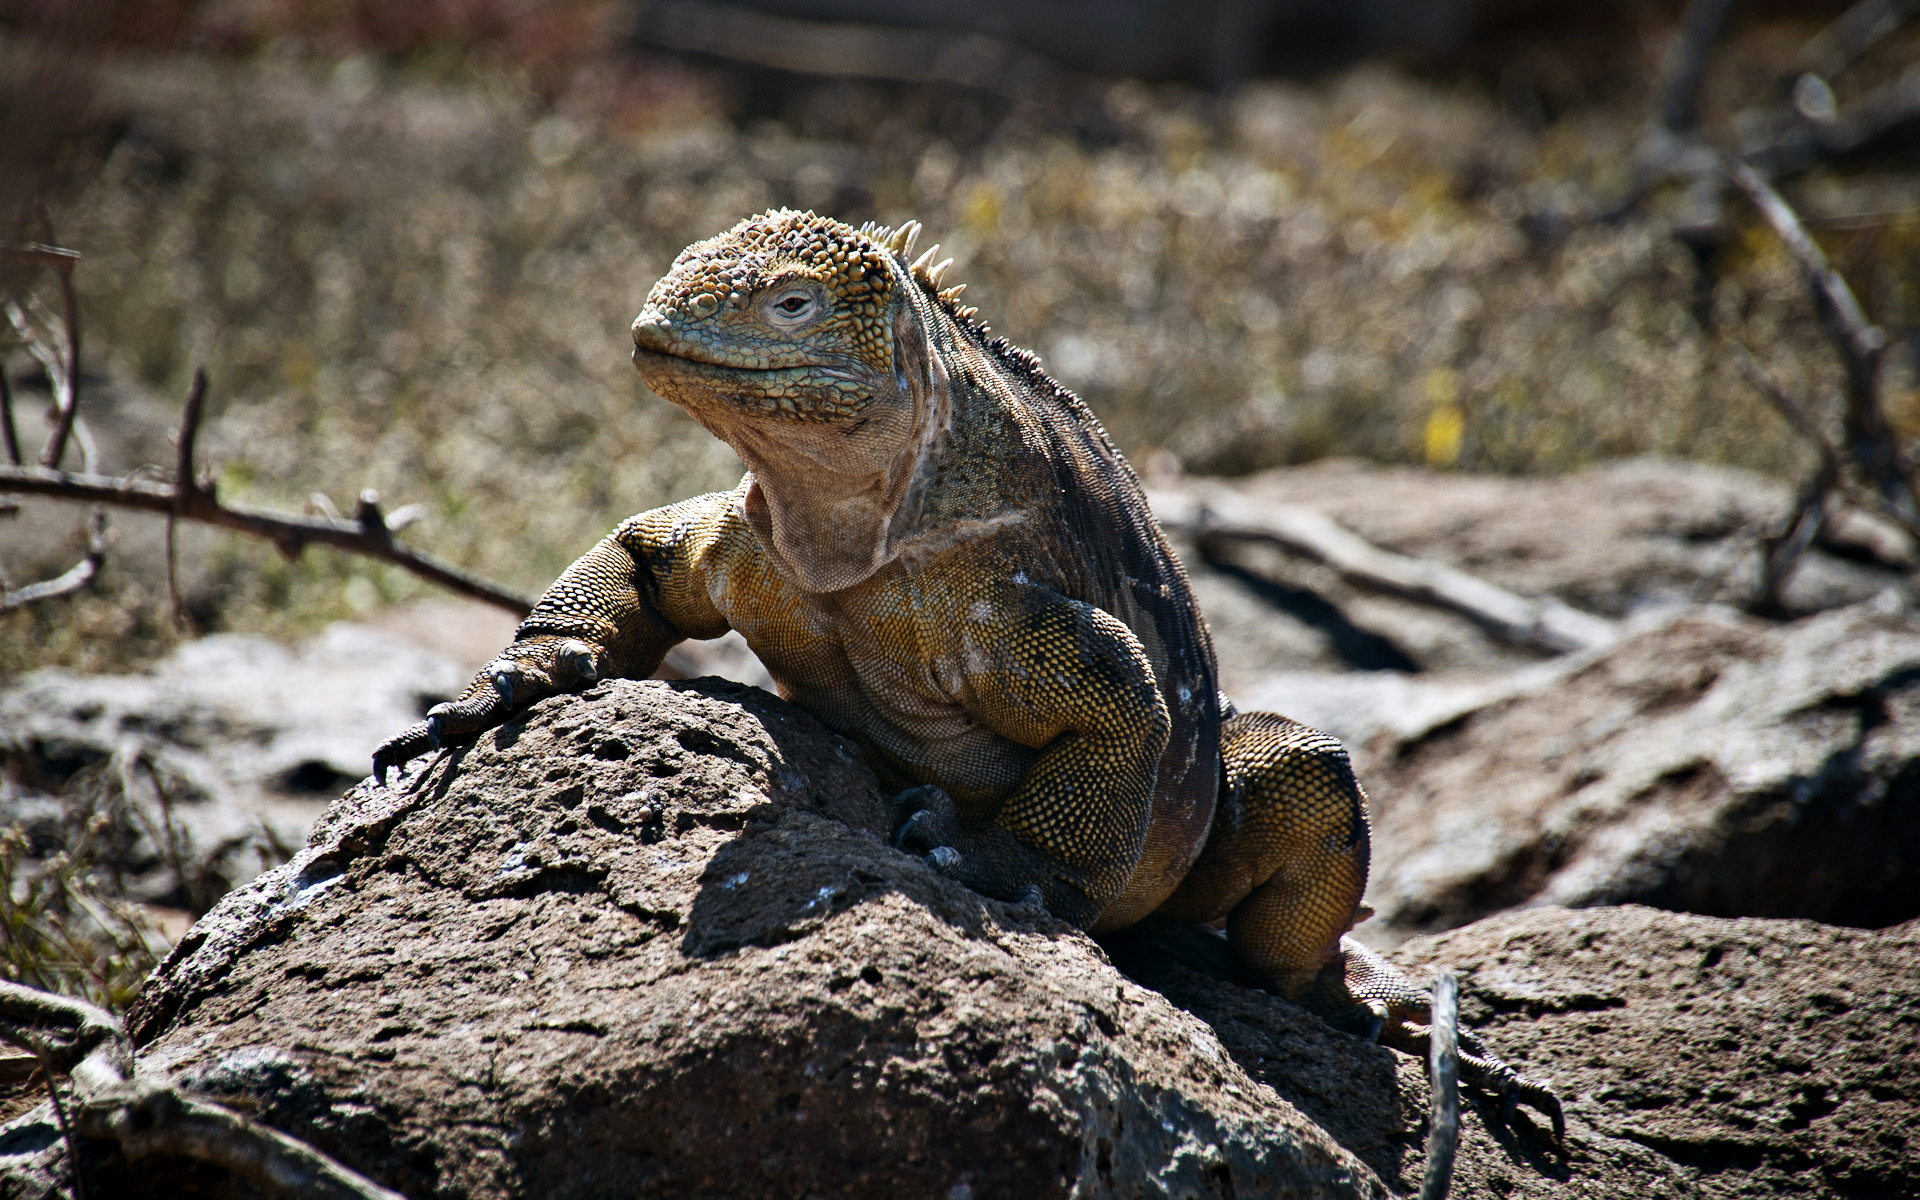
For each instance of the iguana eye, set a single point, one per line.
(793, 306)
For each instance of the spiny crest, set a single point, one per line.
(930, 274)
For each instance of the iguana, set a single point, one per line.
(939, 554)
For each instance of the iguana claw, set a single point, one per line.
(1489, 1074)
(502, 677)
(1376, 1021)
(409, 743)
(913, 825)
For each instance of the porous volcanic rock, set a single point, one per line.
(1713, 764)
(1762, 1058)
(650, 941)
(1698, 1056)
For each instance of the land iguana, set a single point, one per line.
(938, 553)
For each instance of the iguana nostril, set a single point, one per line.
(650, 323)
(704, 304)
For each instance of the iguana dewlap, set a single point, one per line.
(938, 553)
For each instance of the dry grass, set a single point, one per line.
(418, 278)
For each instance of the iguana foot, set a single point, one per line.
(1362, 992)
(925, 823)
(526, 671)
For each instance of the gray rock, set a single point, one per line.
(1756, 1058)
(253, 739)
(650, 941)
(1639, 540)
(1713, 764)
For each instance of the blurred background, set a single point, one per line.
(406, 242)
(1450, 239)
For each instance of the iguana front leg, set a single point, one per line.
(1073, 680)
(614, 613)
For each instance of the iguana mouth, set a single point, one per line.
(704, 366)
(809, 391)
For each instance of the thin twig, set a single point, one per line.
(63, 370)
(1870, 441)
(1685, 67)
(1443, 1067)
(1795, 413)
(7, 427)
(40, 254)
(183, 479)
(1781, 553)
(1884, 118)
(74, 578)
(1830, 454)
(70, 401)
(290, 533)
(66, 1127)
(195, 500)
(1863, 338)
(193, 883)
(1853, 33)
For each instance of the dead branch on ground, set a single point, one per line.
(1545, 624)
(190, 497)
(1443, 1069)
(149, 1115)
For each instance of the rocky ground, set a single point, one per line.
(652, 939)
(1499, 775)
(648, 927)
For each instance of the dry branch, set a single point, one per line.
(73, 579)
(1888, 117)
(1831, 456)
(1869, 445)
(150, 1116)
(1861, 338)
(7, 429)
(1443, 1068)
(1855, 32)
(63, 369)
(1868, 448)
(188, 498)
(1678, 90)
(1544, 623)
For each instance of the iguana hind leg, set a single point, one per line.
(1286, 863)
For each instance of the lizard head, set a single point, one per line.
(809, 347)
(785, 317)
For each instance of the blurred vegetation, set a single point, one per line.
(409, 256)
(65, 924)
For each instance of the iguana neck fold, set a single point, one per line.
(834, 502)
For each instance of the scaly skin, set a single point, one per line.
(937, 552)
